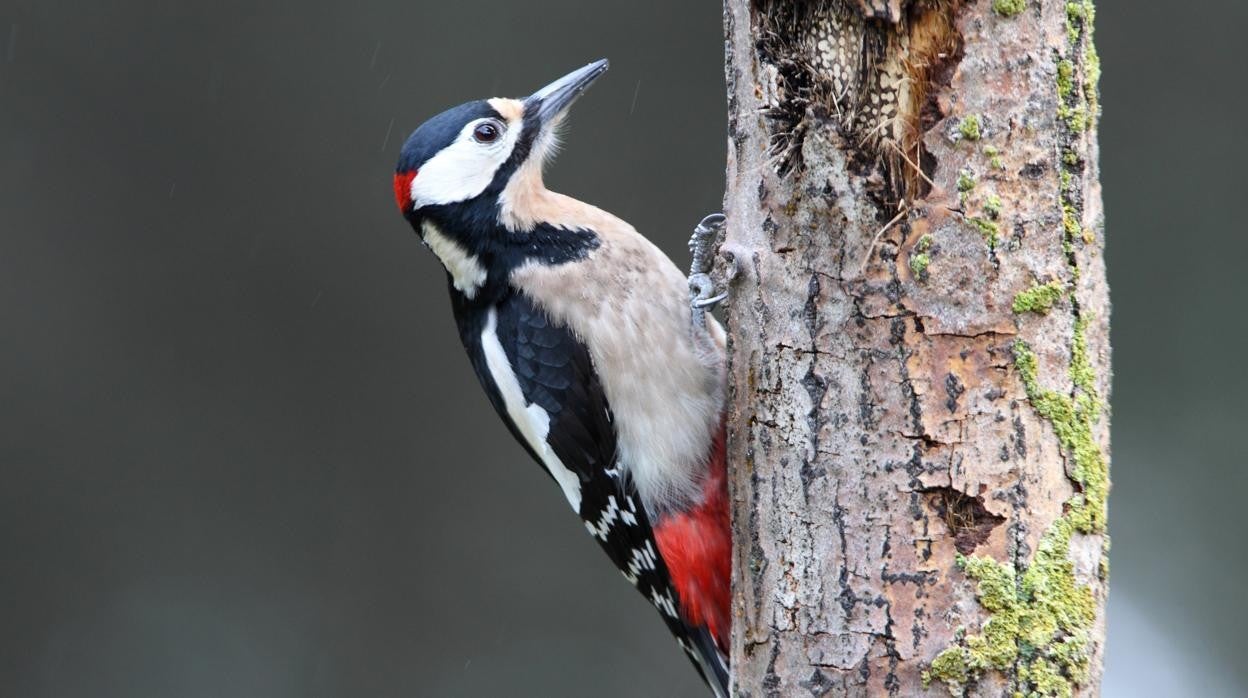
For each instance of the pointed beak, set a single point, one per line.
(554, 99)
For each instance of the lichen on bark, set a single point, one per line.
(918, 349)
(1039, 298)
(1042, 624)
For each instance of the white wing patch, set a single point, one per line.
(466, 271)
(609, 516)
(532, 421)
(629, 515)
(663, 602)
(643, 560)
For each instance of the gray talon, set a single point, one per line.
(702, 243)
(703, 303)
(702, 246)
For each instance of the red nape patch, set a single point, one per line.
(696, 545)
(403, 190)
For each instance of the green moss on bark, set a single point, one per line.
(1041, 621)
(988, 229)
(1040, 618)
(1073, 418)
(966, 181)
(1078, 100)
(1009, 8)
(992, 206)
(994, 157)
(1039, 298)
(920, 259)
(969, 128)
(919, 263)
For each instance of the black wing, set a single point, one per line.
(556, 373)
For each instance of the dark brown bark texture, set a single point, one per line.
(919, 348)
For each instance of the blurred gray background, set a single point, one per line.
(242, 454)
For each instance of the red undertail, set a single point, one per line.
(697, 547)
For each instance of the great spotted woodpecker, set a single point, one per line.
(581, 332)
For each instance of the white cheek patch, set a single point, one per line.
(467, 273)
(531, 420)
(463, 169)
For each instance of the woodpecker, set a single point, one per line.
(582, 334)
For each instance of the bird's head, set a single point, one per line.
(467, 161)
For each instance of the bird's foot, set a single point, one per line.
(706, 240)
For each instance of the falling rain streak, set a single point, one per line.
(389, 129)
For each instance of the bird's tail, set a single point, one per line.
(708, 660)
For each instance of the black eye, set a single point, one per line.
(485, 133)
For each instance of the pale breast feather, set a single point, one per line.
(628, 303)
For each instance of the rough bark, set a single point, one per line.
(919, 348)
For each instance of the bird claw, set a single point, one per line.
(702, 243)
(704, 303)
(702, 246)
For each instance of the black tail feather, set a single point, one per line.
(707, 659)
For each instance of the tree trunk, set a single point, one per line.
(919, 348)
